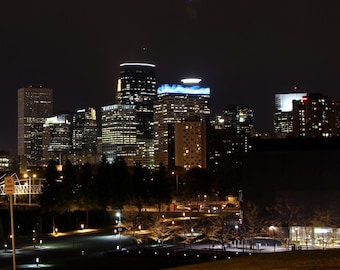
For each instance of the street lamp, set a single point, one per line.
(29, 186)
(184, 227)
(118, 214)
(176, 177)
(34, 237)
(296, 234)
(236, 229)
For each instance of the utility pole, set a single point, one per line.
(9, 188)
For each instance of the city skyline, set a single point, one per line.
(245, 52)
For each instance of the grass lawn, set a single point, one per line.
(304, 260)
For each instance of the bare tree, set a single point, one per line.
(161, 231)
(284, 213)
(322, 217)
(253, 223)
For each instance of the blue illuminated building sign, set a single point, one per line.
(184, 90)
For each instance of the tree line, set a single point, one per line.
(104, 187)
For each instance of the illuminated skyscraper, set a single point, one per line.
(176, 104)
(137, 87)
(238, 118)
(57, 142)
(239, 121)
(316, 115)
(34, 106)
(283, 113)
(119, 132)
(229, 133)
(84, 132)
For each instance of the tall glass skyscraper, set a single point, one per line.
(84, 133)
(239, 122)
(176, 104)
(34, 106)
(137, 87)
(238, 118)
(57, 142)
(119, 132)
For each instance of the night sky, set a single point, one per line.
(245, 50)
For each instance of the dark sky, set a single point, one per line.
(245, 50)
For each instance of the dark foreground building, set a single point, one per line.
(305, 169)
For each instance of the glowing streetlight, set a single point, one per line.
(176, 177)
(34, 237)
(30, 186)
(236, 229)
(118, 214)
(296, 234)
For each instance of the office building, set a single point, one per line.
(283, 112)
(189, 144)
(84, 132)
(8, 163)
(316, 115)
(57, 134)
(34, 106)
(137, 87)
(222, 144)
(176, 104)
(233, 128)
(119, 132)
(239, 121)
(238, 118)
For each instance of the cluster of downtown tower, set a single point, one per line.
(170, 124)
(135, 128)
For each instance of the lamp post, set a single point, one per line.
(29, 186)
(119, 215)
(176, 178)
(296, 234)
(236, 229)
(9, 189)
(184, 229)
